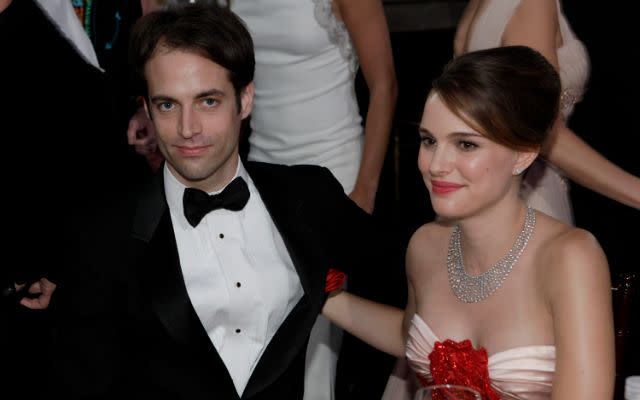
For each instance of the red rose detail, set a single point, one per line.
(458, 363)
(335, 280)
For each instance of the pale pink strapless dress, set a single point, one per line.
(520, 373)
(524, 372)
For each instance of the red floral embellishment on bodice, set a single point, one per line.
(458, 363)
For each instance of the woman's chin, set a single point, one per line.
(446, 208)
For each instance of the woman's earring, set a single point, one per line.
(518, 171)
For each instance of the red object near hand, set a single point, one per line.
(335, 280)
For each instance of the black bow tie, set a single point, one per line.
(197, 203)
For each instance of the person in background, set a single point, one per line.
(306, 112)
(516, 309)
(96, 33)
(53, 34)
(67, 147)
(208, 283)
(543, 26)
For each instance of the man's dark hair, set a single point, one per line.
(213, 32)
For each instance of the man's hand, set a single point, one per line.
(40, 292)
(141, 134)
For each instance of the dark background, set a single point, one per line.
(607, 119)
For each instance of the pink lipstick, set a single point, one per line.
(444, 187)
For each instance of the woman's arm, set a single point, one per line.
(579, 295)
(462, 30)
(535, 24)
(367, 26)
(585, 166)
(379, 325)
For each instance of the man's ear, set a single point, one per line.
(246, 100)
(145, 104)
(523, 160)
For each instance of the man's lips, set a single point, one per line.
(192, 151)
(443, 187)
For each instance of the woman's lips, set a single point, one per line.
(444, 187)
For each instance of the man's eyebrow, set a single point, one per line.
(207, 93)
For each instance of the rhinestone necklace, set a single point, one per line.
(473, 289)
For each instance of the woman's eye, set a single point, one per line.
(427, 141)
(465, 145)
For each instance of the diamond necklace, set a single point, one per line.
(473, 289)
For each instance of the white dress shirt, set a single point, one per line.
(239, 276)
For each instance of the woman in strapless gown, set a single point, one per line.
(541, 24)
(546, 187)
(501, 298)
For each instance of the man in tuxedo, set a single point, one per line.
(207, 287)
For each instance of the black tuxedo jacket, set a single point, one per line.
(72, 147)
(63, 120)
(127, 325)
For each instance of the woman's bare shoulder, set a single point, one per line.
(426, 246)
(567, 252)
(431, 234)
(559, 241)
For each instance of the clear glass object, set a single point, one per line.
(632, 388)
(447, 392)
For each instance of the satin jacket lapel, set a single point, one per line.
(287, 209)
(163, 283)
